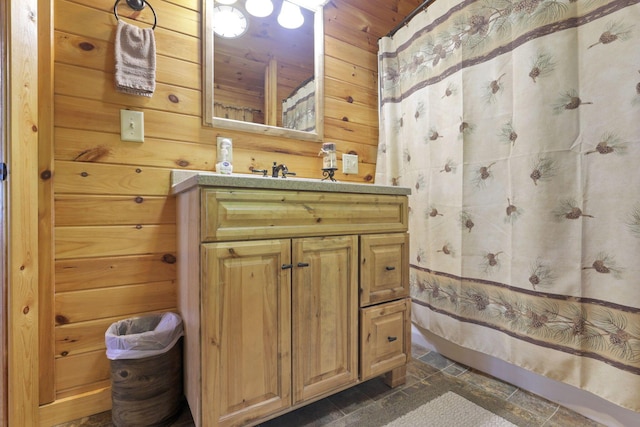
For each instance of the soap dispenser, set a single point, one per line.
(224, 161)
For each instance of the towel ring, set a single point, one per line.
(136, 5)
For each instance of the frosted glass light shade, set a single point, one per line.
(226, 1)
(229, 22)
(259, 8)
(290, 16)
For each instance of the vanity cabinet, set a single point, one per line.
(284, 315)
(272, 294)
(385, 316)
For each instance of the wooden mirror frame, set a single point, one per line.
(208, 83)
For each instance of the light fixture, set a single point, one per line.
(229, 22)
(259, 8)
(226, 1)
(290, 15)
(310, 4)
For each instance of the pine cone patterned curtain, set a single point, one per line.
(517, 125)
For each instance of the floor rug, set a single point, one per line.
(450, 410)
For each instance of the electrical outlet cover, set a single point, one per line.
(350, 164)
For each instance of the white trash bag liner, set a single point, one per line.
(141, 337)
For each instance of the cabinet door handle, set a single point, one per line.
(392, 339)
(390, 268)
(303, 264)
(287, 266)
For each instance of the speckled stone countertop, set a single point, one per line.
(182, 180)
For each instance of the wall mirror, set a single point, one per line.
(259, 76)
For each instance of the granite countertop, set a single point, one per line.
(182, 180)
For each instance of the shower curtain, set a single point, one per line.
(517, 125)
(233, 112)
(299, 109)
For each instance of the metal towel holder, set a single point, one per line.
(137, 5)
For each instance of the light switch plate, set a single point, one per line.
(132, 125)
(350, 164)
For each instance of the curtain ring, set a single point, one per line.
(136, 5)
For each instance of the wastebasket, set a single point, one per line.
(145, 354)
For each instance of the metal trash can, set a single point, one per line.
(146, 370)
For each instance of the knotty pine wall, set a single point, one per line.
(107, 240)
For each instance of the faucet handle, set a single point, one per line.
(286, 172)
(262, 171)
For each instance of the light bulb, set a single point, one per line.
(259, 8)
(226, 1)
(290, 16)
(229, 22)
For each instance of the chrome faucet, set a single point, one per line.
(276, 168)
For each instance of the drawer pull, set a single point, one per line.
(287, 266)
(389, 268)
(303, 264)
(392, 339)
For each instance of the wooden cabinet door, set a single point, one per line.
(246, 330)
(384, 269)
(325, 315)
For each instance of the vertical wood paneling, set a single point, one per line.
(22, 192)
(108, 245)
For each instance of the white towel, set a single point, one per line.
(135, 59)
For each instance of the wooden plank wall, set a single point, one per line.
(114, 240)
(21, 292)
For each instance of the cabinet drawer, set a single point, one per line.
(384, 267)
(385, 340)
(242, 214)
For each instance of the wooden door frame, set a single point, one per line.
(3, 225)
(21, 19)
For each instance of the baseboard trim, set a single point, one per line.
(74, 407)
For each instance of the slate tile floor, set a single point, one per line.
(429, 375)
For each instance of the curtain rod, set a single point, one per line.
(425, 4)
